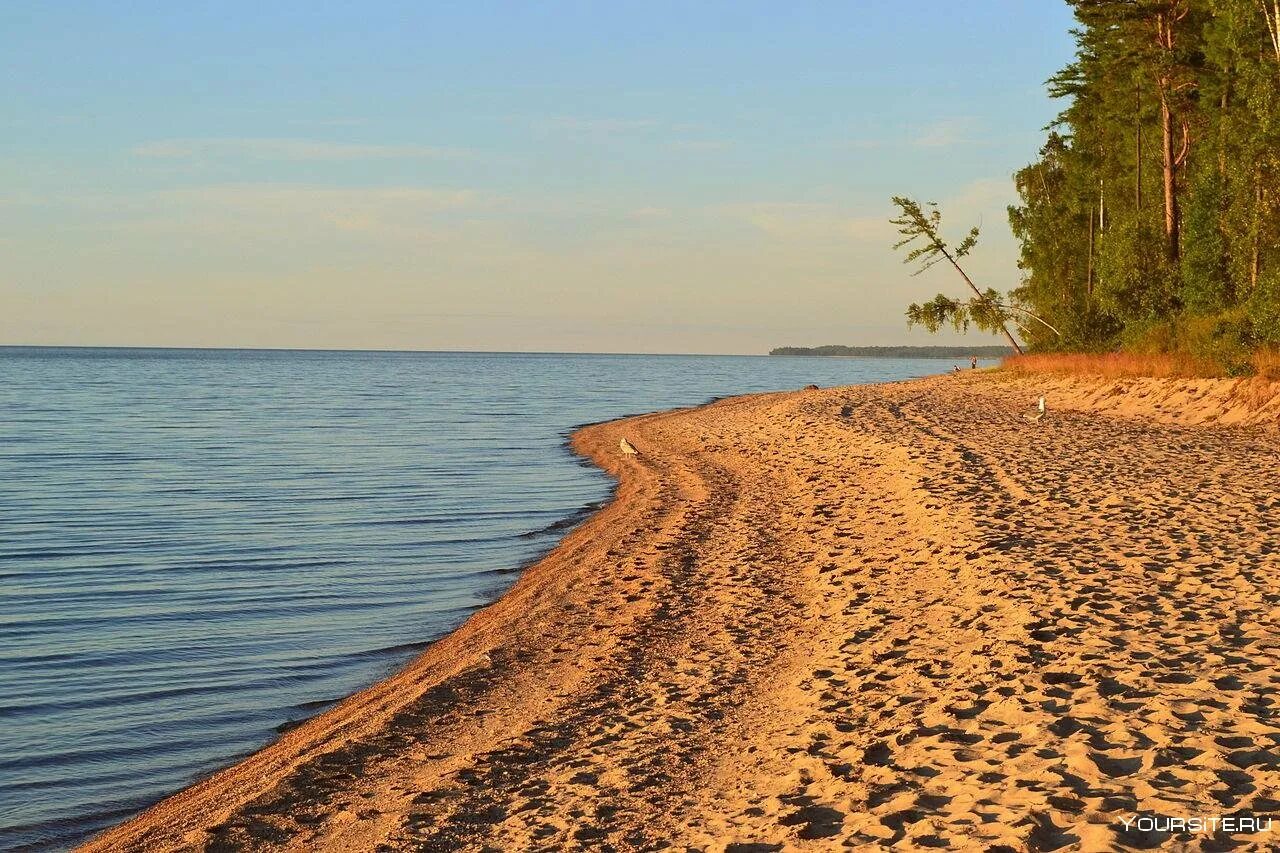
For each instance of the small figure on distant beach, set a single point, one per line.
(973, 362)
(627, 448)
(955, 369)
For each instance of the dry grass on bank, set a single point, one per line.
(1112, 365)
(1266, 363)
(1248, 394)
(1126, 365)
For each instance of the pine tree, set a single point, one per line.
(1152, 217)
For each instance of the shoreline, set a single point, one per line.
(178, 820)
(722, 652)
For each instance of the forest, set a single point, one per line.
(1150, 222)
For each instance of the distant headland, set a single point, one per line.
(897, 352)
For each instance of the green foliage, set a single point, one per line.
(938, 312)
(1135, 280)
(920, 231)
(1098, 258)
(1224, 343)
(985, 311)
(919, 228)
(1205, 284)
(1264, 307)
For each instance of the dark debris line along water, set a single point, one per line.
(198, 547)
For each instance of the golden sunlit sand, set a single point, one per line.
(900, 614)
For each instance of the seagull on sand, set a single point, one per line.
(627, 448)
(1038, 415)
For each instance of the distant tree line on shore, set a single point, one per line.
(896, 352)
(1151, 220)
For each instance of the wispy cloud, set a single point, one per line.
(431, 198)
(594, 127)
(699, 145)
(650, 213)
(854, 144)
(259, 209)
(681, 136)
(259, 148)
(946, 133)
(983, 194)
(809, 221)
(336, 121)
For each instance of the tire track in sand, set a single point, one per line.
(896, 616)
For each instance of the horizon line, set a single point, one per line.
(457, 351)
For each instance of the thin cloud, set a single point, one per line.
(329, 122)
(236, 210)
(650, 213)
(810, 221)
(985, 195)
(699, 145)
(254, 148)
(580, 126)
(946, 133)
(258, 195)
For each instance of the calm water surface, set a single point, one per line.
(198, 547)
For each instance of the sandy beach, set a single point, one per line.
(882, 615)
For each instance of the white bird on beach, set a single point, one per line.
(1038, 415)
(627, 448)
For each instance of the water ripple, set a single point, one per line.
(200, 548)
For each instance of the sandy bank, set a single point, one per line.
(877, 615)
(1189, 402)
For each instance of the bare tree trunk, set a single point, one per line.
(1165, 20)
(1255, 263)
(1004, 327)
(1137, 153)
(1255, 260)
(1102, 206)
(1273, 24)
(1088, 276)
(1222, 136)
(1169, 166)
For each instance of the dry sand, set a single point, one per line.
(898, 615)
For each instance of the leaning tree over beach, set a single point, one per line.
(920, 232)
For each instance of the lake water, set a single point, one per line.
(200, 546)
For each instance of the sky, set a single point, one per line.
(707, 177)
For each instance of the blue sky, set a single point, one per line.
(650, 177)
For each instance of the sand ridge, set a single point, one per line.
(1189, 402)
(896, 615)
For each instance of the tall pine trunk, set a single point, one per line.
(1273, 24)
(1255, 260)
(1137, 153)
(1169, 161)
(1088, 273)
(1170, 183)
